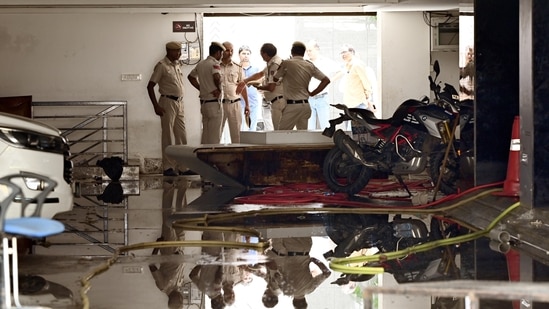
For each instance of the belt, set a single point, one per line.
(170, 97)
(290, 253)
(296, 101)
(207, 101)
(277, 98)
(228, 101)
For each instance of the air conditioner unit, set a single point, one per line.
(444, 34)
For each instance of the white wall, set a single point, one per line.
(80, 57)
(449, 67)
(404, 58)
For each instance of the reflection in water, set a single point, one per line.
(209, 260)
(377, 232)
(289, 271)
(38, 286)
(209, 279)
(218, 279)
(169, 276)
(113, 193)
(169, 206)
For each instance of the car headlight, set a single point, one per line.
(34, 183)
(34, 140)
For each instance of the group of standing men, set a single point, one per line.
(216, 78)
(358, 83)
(285, 85)
(294, 89)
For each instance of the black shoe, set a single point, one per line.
(187, 173)
(170, 172)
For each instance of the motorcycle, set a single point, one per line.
(418, 137)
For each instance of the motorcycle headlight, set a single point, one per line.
(34, 140)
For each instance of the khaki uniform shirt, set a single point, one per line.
(169, 77)
(204, 72)
(232, 74)
(297, 73)
(269, 72)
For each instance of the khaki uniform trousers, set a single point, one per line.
(295, 115)
(276, 112)
(232, 114)
(212, 117)
(173, 129)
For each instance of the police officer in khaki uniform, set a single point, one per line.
(273, 90)
(206, 77)
(231, 75)
(169, 77)
(296, 74)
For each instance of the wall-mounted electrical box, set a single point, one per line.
(444, 34)
(190, 52)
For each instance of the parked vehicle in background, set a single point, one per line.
(418, 137)
(27, 145)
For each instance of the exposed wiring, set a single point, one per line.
(427, 17)
(287, 196)
(190, 42)
(340, 264)
(228, 217)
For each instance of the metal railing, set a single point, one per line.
(95, 129)
(470, 290)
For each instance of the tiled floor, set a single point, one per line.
(109, 249)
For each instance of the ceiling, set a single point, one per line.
(221, 6)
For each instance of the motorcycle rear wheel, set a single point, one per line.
(450, 173)
(343, 174)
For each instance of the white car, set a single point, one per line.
(29, 146)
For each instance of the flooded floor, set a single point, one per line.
(145, 244)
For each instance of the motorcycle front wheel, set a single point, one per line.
(343, 174)
(450, 170)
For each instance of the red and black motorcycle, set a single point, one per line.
(418, 137)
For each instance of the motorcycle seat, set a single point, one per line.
(369, 116)
(377, 121)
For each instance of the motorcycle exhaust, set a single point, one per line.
(500, 247)
(346, 144)
(499, 240)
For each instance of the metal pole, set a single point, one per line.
(2, 289)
